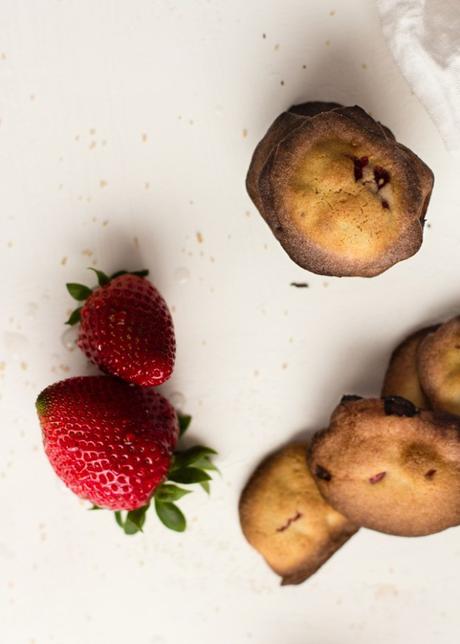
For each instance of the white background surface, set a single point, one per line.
(163, 102)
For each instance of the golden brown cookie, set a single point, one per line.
(286, 519)
(341, 195)
(439, 367)
(390, 467)
(401, 378)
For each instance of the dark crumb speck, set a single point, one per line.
(349, 398)
(300, 284)
(322, 473)
(264, 35)
(398, 406)
(282, 82)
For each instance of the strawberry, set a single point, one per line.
(126, 327)
(112, 443)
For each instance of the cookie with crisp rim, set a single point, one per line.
(286, 519)
(389, 466)
(341, 195)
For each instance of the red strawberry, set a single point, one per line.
(110, 442)
(126, 328)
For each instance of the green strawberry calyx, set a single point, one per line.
(81, 292)
(188, 467)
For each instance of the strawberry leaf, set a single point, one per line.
(170, 515)
(79, 292)
(102, 278)
(94, 507)
(74, 317)
(204, 463)
(192, 456)
(142, 273)
(184, 423)
(134, 520)
(188, 475)
(168, 493)
(206, 487)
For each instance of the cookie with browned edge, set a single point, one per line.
(286, 519)
(402, 378)
(341, 195)
(439, 366)
(389, 466)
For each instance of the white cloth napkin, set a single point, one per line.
(424, 37)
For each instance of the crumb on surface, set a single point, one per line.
(364, 66)
(276, 47)
(146, 185)
(92, 145)
(64, 261)
(244, 133)
(103, 183)
(87, 252)
(199, 237)
(144, 137)
(332, 12)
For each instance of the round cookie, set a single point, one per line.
(390, 467)
(286, 519)
(341, 195)
(439, 367)
(401, 378)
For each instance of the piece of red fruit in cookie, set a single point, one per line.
(110, 442)
(126, 327)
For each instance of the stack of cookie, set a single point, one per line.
(390, 464)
